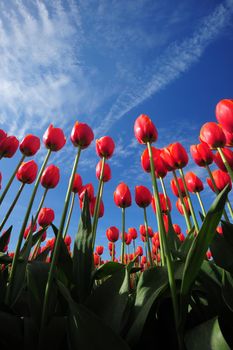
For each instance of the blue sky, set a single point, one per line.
(104, 63)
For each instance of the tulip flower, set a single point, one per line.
(175, 189)
(81, 135)
(165, 203)
(105, 147)
(180, 207)
(133, 232)
(212, 134)
(112, 234)
(177, 229)
(181, 237)
(221, 180)
(29, 229)
(67, 240)
(142, 230)
(142, 196)
(224, 114)
(77, 184)
(229, 158)
(144, 130)
(46, 217)
(175, 156)
(202, 154)
(54, 138)
(229, 138)
(50, 177)
(96, 259)
(99, 250)
(209, 255)
(106, 171)
(122, 196)
(194, 184)
(3, 135)
(139, 251)
(92, 207)
(159, 164)
(29, 145)
(90, 192)
(8, 146)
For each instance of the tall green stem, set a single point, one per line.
(147, 237)
(225, 162)
(113, 250)
(11, 179)
(40, 206)
(17, 250)
(201, 204)
(123, 236)
(12, 206)
(230, 208)
(69, 215)
(48, 290)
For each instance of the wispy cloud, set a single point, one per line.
(176, 60)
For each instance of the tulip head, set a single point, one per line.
(174, 188)
(224, 114)
(99, 249)
(142, 196)
(144, 130)
(221, 179)
(139, 251)
(159, 164)
(186, 204)
(92, 207)
(90, 192)
(67, 240)
(81, 135)
(54, 138)
(122, 196)
(175, 156)
(193, 182)
(112, 234)
(28, 229)
(133, 232)
(229, 157)
(107, 174)
(229, 138)
(163, 203)
(50, 177)
(77, 184)
(27, 172)
(201, 154)
(8, 146)
(45, 217)
(3, 135)
(29, 145)
(177, 229)
(142, 230)
(212, 134)
(105, 147)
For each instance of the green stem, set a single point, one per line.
(40, 206)
(113, 248)
(230, 208)
(134, 247)
(69, 215)
(34, 254)
(225, 162)
(201, 204)
(123, 236)
(147, 237)
(186, 215)
(12, 206)
(159, 216)
(97, 203)
(48, 290)
(189, 201)
(11, 179)
(17, 251)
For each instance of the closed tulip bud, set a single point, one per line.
(112, 234)
(28, 229)
(50, 243)
(27, 172)
(90, 192)
(111, 246)
(175, 156)
(77, 184)
(45, 217)
(81, 135)
(29, 145)
(175, 189)
(54, 138)
(212, 134)
(142, 230)
(208, 254)
(139, 251)
(3, 135)
(50, 177)
(229, 157)
(224, 114)
(180, 208)
(107, 175)
(142, 196)
(105, 147)
(8, 146)
(177, 229)
(229, 138)
(165, 221)
(194, 184)
(219, 230)
(96, 259)
(128, 238)
(163, 203)
(122, 196)
(181, 237)
(99, 249)
(201, 154)
(133, 232)
(156, 244)
(143, 259)
(144, 129)
(67, 240)
(159, 164)
(221, 180)
(92, 207)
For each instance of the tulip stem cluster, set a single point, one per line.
(69, 215)
(147, 237)
(123, 236)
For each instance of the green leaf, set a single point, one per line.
(186, 245)
(222, 252)
(227, 289)
(199, 247)
(172, 239)
(43, 255)
(152, 283)
(5, 259)
(227, 228)
(107, 269)
(83, 255)
(206, 336)
(4, 238)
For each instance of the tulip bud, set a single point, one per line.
(159, 164)
(133, 232)
(67, 240)
(106, 172)
(163, 203)
(221, 180)
(99, 250)
(127, 238)
(175, 156)
(122, 196)
(77, 184)
(105, 147)
(90, 192)
(28, 229)
(54, 138)
(8, 146)
(180, 208)
(201, 154)
(81, 135)
(219, 230)
(142, 230)
(111, 246)
(27, 172)
(181, 237)
(143, 259)
(177, 229)
(229, 157)
(165, 221)
(224, 114)
(229, 138)
(112, 234)
(50, 177)
(3, 135)
(175, 189)
(142, 196)
(92, 207)
(96, 259)
(212, 134)
(144, 129)
(45, 217)
(208, 254)
(194, 184)
(29, 145)
(139, 251)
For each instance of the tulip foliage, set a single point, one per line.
(174, 290)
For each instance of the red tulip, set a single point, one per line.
(92, 207)
(219, 230)
(208, 254)
(181, 237)
(27, 172)
(165, 221)
(127, 238)
(112, 234)
(3, 135)
(139, 251)
(221, 179)
(81, 135)
(99, 249)
(54, 138)
(45, 217)
(28, 229)
(175, 156)
(212, 134)
(8, 146)
(96, 259)
(159, 164)
(105, 147)
(29, 145)
(229, 157)
(177, 229)
(90, 192)
(67, 240)
(142, 196)
(77, 184)
(224, 114)
(175, 189)
(143, 259)
(163, 203)
(133, 232)
(106, 172)
(229, 138)
(180, 208)
(194, 184)
(201, 154)
(111, 246)
(144, 129)
(122, 196)
(50, 177)
(142, 230)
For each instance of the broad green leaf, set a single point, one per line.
(228, 232)
(186, 245)
(206, 336)
(43, 255)
(172, 239)
(107, 269)
(222, 252)
(227, 289)
(83, 255)
(4, 238)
